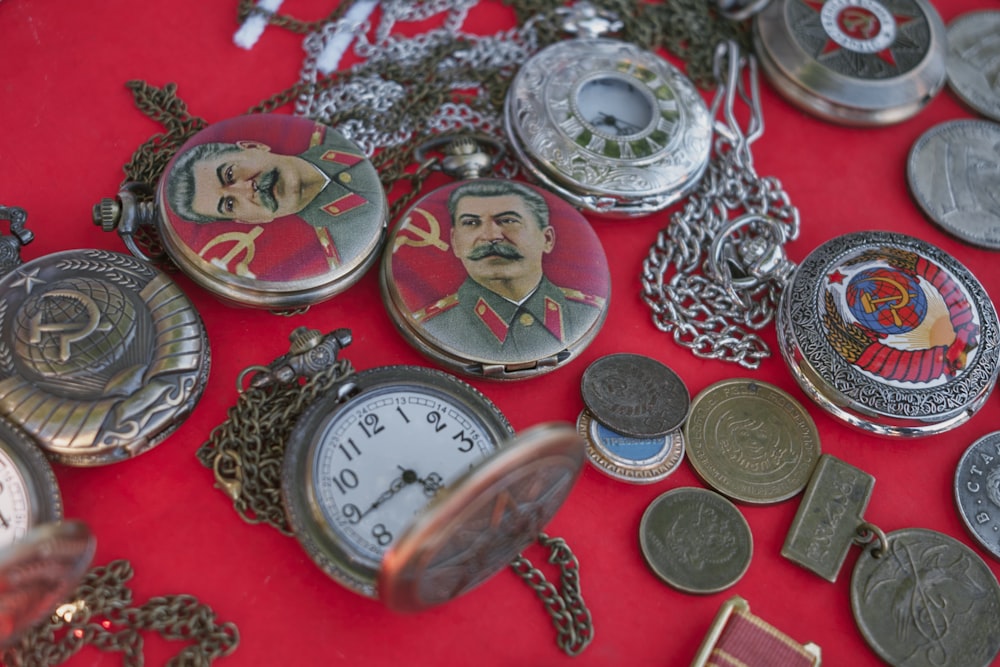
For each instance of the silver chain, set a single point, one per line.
(725, 247)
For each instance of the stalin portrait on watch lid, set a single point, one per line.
(500, 271)
(276, 197)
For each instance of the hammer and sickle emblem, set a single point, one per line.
(859, 22)
(71, 331)
(243, 242)
(896, 301)
(421, 238)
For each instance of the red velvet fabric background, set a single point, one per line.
(68, 124)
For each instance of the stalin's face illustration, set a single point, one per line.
(500, 232)
(242, 182)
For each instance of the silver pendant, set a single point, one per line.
(612, 128)
(856, 62)
(890, 334)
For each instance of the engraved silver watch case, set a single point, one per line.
(854, 62)
(890, 334)
(404, 485)
(613, 128)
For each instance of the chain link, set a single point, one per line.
(704, 311)
(565, 605)
(100, 613)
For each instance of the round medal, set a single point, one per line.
(494, 278)
(628, 459)
(890, 334)
(977, 491)
(612, 128)
(269, 211)
(857, 62)
(695, 540)
(972, 58)
(929, 600)
(101, 355)
(751, 441)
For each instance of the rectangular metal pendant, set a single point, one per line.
(827, 521)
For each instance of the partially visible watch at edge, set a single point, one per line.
(854, 62)
(974, 61)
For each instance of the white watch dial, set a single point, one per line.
(15, 502)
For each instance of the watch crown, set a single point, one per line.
(304, 339)
(107, 213)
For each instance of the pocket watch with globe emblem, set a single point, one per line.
(101, 355)
(613, 128)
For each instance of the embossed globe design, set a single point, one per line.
(886, 301)
(76, 329)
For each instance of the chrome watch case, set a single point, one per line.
(889, 334)
(101, 355)
(612, 128)
(853, 62)
(266, 210)
(404, 486)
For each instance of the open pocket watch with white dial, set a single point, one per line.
(612, 128)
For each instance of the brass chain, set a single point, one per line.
(247, 449)
(565, 605)
(100, 613)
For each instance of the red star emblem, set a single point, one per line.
(859, 23)
(835, 278)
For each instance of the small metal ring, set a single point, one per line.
(499, 150)
(257, 368)
(867, 533)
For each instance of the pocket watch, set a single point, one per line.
(404, 485)
(29, 494)
(493, 278)
(610, 127)
(855, 62)
(890, 334)
(264, 210)
(101, 355)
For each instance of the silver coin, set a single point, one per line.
(635, 395)
(977, 491)
(695, 540)
(954, 175)
(751, 441)
(928, 601)
(628, 459)
(973, 61)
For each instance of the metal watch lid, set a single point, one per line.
(29, 493)
(39, 572)
(272, 211)
(614, 129)
(856, 62)
(485, 520)
(101, 355)
(890, 334)
(500, 294)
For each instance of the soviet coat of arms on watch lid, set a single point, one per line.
(495, 278)
(890, 334)
(101, 355)
(855, 62)
(269, 211)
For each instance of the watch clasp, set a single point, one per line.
(463, 156)
(19, 236)
(584, 19)
(309, 352)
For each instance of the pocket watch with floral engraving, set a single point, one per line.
(265, 210)
(101, 355)
(404, 485)
(611, 127)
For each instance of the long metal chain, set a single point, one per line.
(724, 248)
(101, 613)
